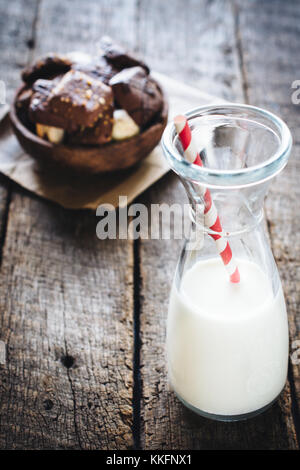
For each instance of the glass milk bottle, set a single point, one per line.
(227, 342)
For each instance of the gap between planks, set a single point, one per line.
(137, 385)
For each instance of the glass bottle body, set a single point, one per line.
(227, 344)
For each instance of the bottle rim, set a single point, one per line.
(241, 177)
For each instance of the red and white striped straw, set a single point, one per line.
(211, 218)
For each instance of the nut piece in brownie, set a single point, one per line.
(46, 67)
(53, 134)
(124, 126)
(136, 92)
(118, 56)
(74, 102)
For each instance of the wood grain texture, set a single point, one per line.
(17, 35)
(68, 378)
(192, 41)
(271, 69)
(66, 297)
(166, 423)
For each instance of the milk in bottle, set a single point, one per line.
(227, 343)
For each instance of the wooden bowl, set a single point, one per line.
(90, 159)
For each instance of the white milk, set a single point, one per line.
(227, 343)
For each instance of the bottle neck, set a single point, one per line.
(239, 210)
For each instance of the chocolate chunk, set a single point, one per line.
(39, 109)
(100, 134)
(98, 68)
(137, 93)
(46, 67)
(44, 86)
(118, 56)
(74, 102)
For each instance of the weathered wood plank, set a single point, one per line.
(67, 297)
(16, 38)
(165, 422)
(76, 25)
(68, 379)
(271, 68)
(16, 29)
(192, 41)
(57, 279)
(15, 34)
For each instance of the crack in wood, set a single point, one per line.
(239, 48)
(31, 42)
(77, 434)
(137, 386)
(5, 217)
(294, 406)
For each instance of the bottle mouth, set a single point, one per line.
(240, 145)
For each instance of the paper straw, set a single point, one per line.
(211, 217)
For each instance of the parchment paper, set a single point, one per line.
(78, 192)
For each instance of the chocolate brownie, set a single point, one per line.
(138, 93)
(39, 110)
(99, 134)
(75, 101)
(98, 68)
(118, 56)
(46, 67)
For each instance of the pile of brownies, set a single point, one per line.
(89, 100)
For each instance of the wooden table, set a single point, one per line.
(84, 319)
